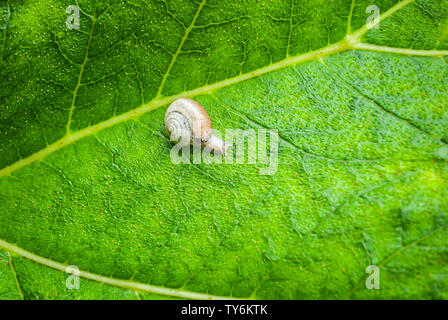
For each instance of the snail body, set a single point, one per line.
(188, 122)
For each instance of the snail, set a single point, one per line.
(187, 122)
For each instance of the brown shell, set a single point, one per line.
(196, 115)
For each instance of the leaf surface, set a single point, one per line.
(86, 177)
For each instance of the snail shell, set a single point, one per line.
(187, 122)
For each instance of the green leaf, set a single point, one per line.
(23, 279)
(86, 177)
(10, 288)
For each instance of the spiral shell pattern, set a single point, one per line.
(178, 127)
(187, 121)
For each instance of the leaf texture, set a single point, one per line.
(85, 171)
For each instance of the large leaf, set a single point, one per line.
(86, 175)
